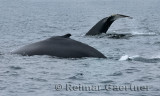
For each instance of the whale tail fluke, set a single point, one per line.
(117, 16)
(103, 25)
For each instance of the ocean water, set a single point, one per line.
(133, 62)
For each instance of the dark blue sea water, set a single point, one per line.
(133, 61)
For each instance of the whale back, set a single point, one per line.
(60, 46)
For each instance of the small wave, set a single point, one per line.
(116, 74)
(14, 74)
(38, 79)
(78, 76)
(107, 81)
(3, 88)
(119, 36)
(129, 35)
(15, 67)
(157, 43)
(1, 53)
(137, 33)
(123, 58)
(124, 35)
(115, 36)
(140, 59)
(145, 78)
(132, 70)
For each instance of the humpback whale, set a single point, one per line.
(59, 46)
(65, 47)
(103, 25)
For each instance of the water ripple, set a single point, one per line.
(108, 81)
(38, 79)
(15, 68)
(130, 70)
(78, 76)
(145, 78)
(3, 88)
(116, 74)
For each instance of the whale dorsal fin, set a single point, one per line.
(67, 35)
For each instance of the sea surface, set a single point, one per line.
(131, 69)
